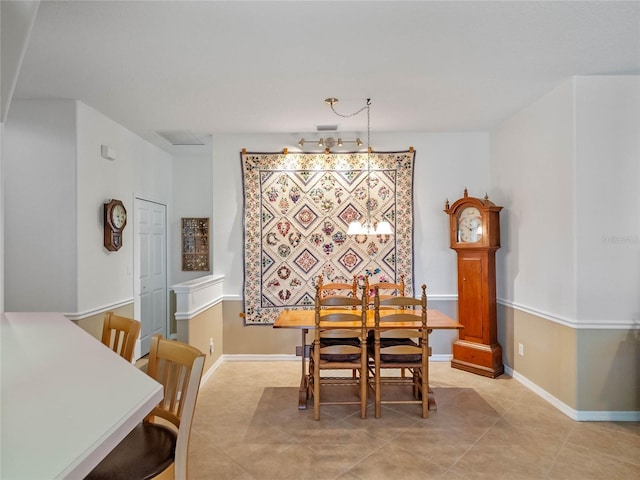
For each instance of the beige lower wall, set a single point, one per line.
(197, 331)
(255, 339)
(586, 369)
(93, 324)
(608, 370)
(549, 358)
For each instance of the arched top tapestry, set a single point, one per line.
(297, 207)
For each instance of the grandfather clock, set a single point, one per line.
(475, 236)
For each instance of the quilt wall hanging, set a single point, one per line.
(297, 208)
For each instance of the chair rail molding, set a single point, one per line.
(604, 324)
(197, 295)
(75, 316)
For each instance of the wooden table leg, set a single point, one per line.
(431, 396)
(432, 400)
(303, 392)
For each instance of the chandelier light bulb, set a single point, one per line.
(384, 228)
(355, 228)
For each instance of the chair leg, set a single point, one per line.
(425, 392)
(378, 404)
(310, 382)
(316, 391)
(364, 387)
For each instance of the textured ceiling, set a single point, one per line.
(264, 67)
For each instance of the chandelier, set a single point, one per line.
(368, 227)
(329, 142)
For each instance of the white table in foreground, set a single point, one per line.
(66, 399)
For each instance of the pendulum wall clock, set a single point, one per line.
(115, 219)
(475, 236)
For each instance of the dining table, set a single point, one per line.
(66, 399)
(304, 320)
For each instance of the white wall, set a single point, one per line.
(445, 164)
(16, 22)
(567, 170)
(532, 174)
(103, 277)
(106, 278)
(2, 204)
(57, 183)
(608, 198)
(40, 206)
(192, 182)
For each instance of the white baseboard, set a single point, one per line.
(578, 415)
(209, 373)
(441, 357)
(289, 358)
(260, 358)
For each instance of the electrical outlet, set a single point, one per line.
(210, 345)
(521, 350)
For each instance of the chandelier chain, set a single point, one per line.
(349, 115)
(367, 107)
(355, 227)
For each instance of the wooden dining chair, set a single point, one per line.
(120, 334)
(336, 347)
(338, 288)
(387, 289)
(157, 448)
(401, 348)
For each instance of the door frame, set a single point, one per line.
(137, 314)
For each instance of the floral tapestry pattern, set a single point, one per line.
(297, 208)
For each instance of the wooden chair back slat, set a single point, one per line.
(170, 363)
(397, 333)
(387, 289)
(120, 334)
(337, 288)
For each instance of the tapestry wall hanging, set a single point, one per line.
(297, 208)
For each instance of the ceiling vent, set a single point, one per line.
(327, 128)
(180, 137)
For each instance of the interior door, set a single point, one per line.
(151, 272)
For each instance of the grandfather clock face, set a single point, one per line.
(469, 225)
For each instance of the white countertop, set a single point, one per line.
(66, 399)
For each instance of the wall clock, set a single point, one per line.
(475, 236)
(115, 219)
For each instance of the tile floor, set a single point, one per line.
(247, 427)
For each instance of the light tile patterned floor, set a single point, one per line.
(247, 427)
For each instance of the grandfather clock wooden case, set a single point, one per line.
(475, 236)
